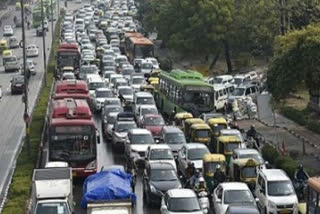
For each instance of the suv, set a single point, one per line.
(17, 84)
(275, 192)
(244, 91)
(174, 138)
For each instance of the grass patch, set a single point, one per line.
(19, 191)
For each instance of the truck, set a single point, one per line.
(110, 207)
(52, 191)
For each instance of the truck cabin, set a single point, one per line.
(70, 108)
(72, 87)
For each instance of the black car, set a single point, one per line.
(40, 31)
(17, 84)
(158, 178)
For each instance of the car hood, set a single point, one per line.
(140, 147)
(197, 163)
(282, 200)
(195, 212)
(164, 186)
(175, 147)
(155, 130)
(101, 99)
(128, 97)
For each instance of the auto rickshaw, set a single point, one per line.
(189, 122)
(226, 144)
(67, 69)
(244, 170)
(18, 6)
(200, 132)
(5, 55)
(3, 45)
(180, 117)
(217, 124)
(210, 162)
(147, 88)
(154, 77)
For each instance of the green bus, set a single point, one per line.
(36, 16)
(180, 91)
(47, 5)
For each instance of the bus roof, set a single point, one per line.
(72, 86)
(71, 108)
(71, 122)
(74, 46)
(74, 96)
(133, 34)
(186, 75)
(141, 41)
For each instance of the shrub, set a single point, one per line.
(287, 164)
(269, 153)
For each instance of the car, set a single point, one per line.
(191, 152)
(32, 51)
(108, 123)
(154, 62)
(146, 67)
(106, 110)
(120, 133)
(160, 153)
(68, 76)
(244, 91)
(78, 1)
(180, 201)
(100, 95)
(125, 94)
(39, 31)
(242, 209)
(144, 110)
(241, 79)
(137, 143)
(247, 153)
(30, 65)
(158, 178)
(173, 137)
(230, 193)
(154, 123)
(137, 81)
(253, 75)
(17, 84)
(7, 30)
(87, 69)
(112, 101)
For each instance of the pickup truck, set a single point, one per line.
(110, 207)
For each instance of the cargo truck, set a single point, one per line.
(110, 207)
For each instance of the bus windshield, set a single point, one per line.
(143, 51)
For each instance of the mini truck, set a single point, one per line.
(110, 207)
(52, 191)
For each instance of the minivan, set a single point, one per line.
(244, 91)
(275, 192)
(221, 97)
(173, 137)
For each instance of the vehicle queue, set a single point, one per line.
(194, 159)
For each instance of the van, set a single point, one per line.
(11, 64)
(243, 91)
(13, 42)
(94, 81)
(221, 96)
(275, 192)
(142, 98)
(223, 79)
(241, 78)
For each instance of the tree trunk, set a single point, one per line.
(227, 56)
(214, 61)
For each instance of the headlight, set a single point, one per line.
(179, 186)
(272, 205)
(152, 188)
(92, 165)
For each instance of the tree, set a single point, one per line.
(296, 62)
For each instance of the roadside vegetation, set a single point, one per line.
(19, 191)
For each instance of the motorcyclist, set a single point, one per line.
(252, 132)
(300, 181)
(190, 171)
(219, 176)
(300, 174)
(194, 179)
(200, 185)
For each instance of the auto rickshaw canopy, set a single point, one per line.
(213, 158)
(6, 53)
(217, 120)
(183, 115)
(67, 69)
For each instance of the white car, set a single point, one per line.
(32, 51)
(160, 153)
(154, 62)
(230, 193)
(7, 30)
(100, 95)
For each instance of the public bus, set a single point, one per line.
(72, 136)
(68, 54)
(180, 91)
(37, 16)
(125, 41)
(76, 89)
(138, 47)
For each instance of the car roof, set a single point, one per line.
(159, 146)
(243, 209)
(143, 94)
(148, 106)
(161, 165)
(138, 131)
(181, 193)
(234, 186)
(225, 76)
(275, 175)
(246, 151)
(171, 129)
(219, 86)
(124, 87)
(195, 145)
(153, 115)
(103, 89)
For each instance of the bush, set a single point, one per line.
(270, 154)
(287, 164)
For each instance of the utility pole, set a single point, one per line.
(26, 116)
(52, 33)
(44, 44)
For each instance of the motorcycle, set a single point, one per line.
(300, 185)
(252, 143)
(204, 201)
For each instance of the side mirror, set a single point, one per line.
(257, 200)
(218, 201)
(163, 208)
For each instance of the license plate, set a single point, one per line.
(285, 211)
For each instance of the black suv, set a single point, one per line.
(158, 178)
(17, 84)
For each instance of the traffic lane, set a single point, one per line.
(105, 157)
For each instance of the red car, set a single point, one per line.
(154, 123)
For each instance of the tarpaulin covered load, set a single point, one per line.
(113, 184)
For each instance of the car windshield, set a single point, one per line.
(126, 91)
(145, 101)
(127, 71)
(238, 197)
(113, 109)
(190, 204)
(229, 147)
(203, 133)
(11, 59)
(142, 139)
(249, 172)
(238, 92)
(95, 85)
(153, 121)
(257, 157)
(238, 81)
(112, 102)
(163, 175)
(137, 81)
(218, 80)
(145, 111)
(280, 188)
(161, 154)
(52, 208)
(197, 153)
(147, 66)
(124, 127)
(104, 94)
(175, 138)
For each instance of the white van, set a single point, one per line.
(94, 81)
(275, 192)
(223, 79)
(241, 78)
(221, 96)
(142, 98)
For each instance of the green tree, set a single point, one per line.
(296, 62)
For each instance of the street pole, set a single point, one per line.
(52, 33)
(58, 1)
(44, 44)
(26, 114)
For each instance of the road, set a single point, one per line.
(12, 128)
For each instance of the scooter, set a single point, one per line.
(204, 201)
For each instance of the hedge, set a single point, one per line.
(19, 190)
(279, 161)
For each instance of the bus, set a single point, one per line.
(76, 89)
(180, 91)
(138, 47)
(68, 54)
(72, 136)
(36, 16)
(125, 41)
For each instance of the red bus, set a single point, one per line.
(68, 54)
(77, 89)
(72, 136)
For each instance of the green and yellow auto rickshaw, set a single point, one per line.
(188, 123)
(154, 77)
(210, 162)
(200, 133)
(226, 144)
(244, 170)
(3, 45)
(180, 117)
(217, 124)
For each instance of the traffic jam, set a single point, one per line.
(172, 129)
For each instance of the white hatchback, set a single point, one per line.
(32, 51)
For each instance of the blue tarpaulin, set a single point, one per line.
(107, 185)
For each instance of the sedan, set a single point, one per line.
(17, 84)
(120, 133)
(32, 51)
(154, 123)
(7, 30)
